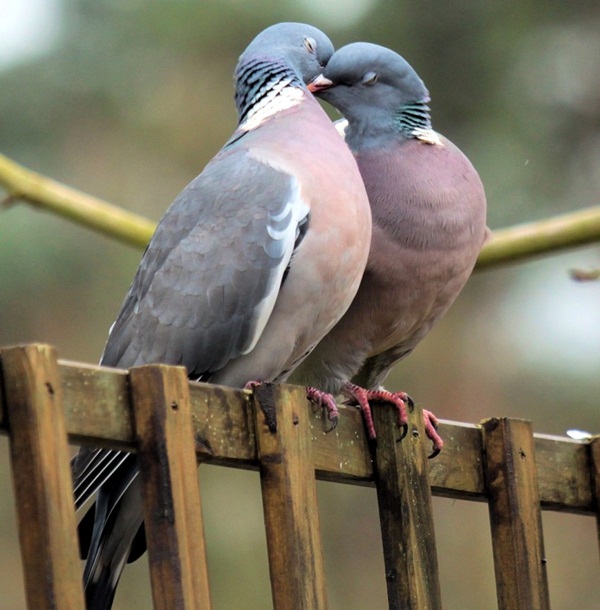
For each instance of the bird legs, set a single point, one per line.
(325, 401)
(361, 397)
(431, 425)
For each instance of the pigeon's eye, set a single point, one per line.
(370, 78)
(310, 44)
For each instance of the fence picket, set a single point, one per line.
(42, 481)
(405, 512)
(289, 499)
(515, 515)
(172, 509)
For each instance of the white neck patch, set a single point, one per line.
(425, 135)
(280, 97)
(428, 136)
(341, 126)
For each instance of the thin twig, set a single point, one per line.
(39, 191)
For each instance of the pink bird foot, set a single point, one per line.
(431, 425)
(361, 397)
(325, 401)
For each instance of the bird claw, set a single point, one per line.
(431, 425)
(403, 431)
(327, 402)
(361, 397)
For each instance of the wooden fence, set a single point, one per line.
(170, 422)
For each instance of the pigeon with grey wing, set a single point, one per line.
(253, 263)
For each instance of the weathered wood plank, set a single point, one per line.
(290, 499)
(96, 409)
(42, 481)
(515, 515)
(595, 460)
(564, 467)
(405, 512)
(172, 509)
(341, 455)
(97, 403)
(447, 473)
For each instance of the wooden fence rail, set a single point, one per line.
(46, 403)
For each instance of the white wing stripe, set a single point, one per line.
(288, 234)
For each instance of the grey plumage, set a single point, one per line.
(183, 297)
(428, 208)
(252, 264)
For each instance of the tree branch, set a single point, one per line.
(524, 241)
(41, 192)
(507, 245)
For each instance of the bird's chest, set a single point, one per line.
(413, 275)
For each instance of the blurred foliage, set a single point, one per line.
(135, 97)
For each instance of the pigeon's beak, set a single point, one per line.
(318, 83)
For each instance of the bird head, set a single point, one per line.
(368, 82)
(303, 47)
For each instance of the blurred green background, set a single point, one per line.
(128, 100)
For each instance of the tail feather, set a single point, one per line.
(117, 521)
(100, 465)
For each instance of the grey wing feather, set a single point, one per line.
(210, 277)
